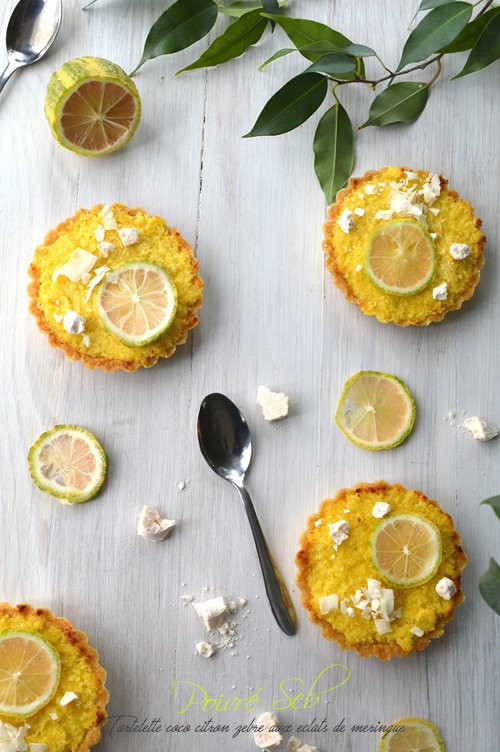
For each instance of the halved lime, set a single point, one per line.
(400, 257)
(30, 668)
(417, 736)
(376, 410)
(137, 302)
(92, 106)
(406, 549)
(68, 462)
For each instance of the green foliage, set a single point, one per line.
(233, 42)
(180, 26)
(486, 50)
(291, 106)
(494, 503)
(400, 103)
(489, 586)
(437, 29)
(445, 28)
(333, 150)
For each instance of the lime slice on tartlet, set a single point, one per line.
(400, 257)
(375, 410)
(417, 736)
(92, 106)
(30, 668)
(405, 549)
(68, 462)
(137, 302)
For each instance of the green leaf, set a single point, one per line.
(359, 50)
(333, 64)
(399, 103)
(302, 32)
(241, 7)
(471, 33)
(333, 151)
(489, 586)
(486, 50)
(291, 106)
(494, 502)
(428, 4)
(180, 26)
(317, 48)
(238, 37)
(271, 6)
(437, 29)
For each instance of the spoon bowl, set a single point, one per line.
(224, 437)
(31, 31)
(226, 445)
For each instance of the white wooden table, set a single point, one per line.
(253, 211)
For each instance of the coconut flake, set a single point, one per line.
(80, 262)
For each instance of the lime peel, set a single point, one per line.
(92, 106)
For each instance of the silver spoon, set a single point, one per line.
(226, 445)
(32, 28)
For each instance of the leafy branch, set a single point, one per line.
(446, 28)
(489, 582)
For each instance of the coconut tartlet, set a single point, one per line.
(65, 306)
(71, 727)
(415, 196)
(349, 599)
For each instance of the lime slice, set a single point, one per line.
(405, 549)
(137, 302)
(376, 410)
(418, 736)
(92, 106)
(29, 673)
(68, 462)
(400, 258)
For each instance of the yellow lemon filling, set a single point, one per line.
(154, 244)
(73, 720)
(449, 220)
(346, 570)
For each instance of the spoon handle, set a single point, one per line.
(4, 77)
(281, 604)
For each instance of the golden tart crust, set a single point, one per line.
(318, 574)
(78, 726)
(454, 223)
(157, 242)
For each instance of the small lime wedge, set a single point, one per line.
(68, 462)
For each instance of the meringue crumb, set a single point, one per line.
(267, 738)
(67, 698)
(151, 526)
(480, 429)
(205, 649)
(274, 404)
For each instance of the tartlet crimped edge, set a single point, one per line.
(382, 651)
(79, 639)
(107, 364)
(335, 210)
